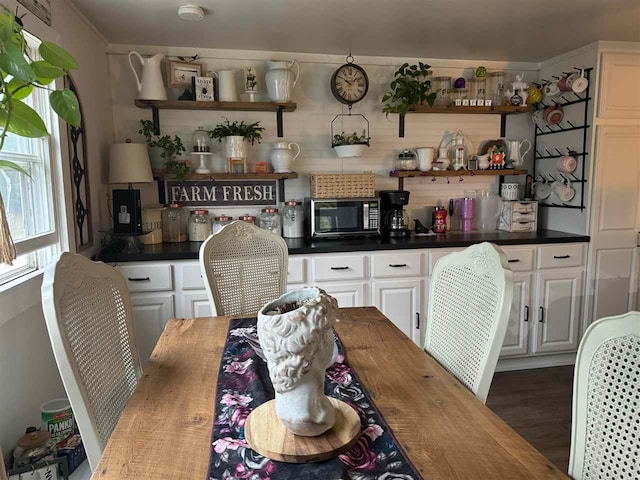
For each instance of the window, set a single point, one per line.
(29, 202)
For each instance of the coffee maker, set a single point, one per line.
(391, 207)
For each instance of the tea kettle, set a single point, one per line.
(151, 86)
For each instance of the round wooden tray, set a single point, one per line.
(267, 436)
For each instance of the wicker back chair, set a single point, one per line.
(245, 267)
(469, 304)
(88, 314)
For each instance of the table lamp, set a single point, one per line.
(128, 163)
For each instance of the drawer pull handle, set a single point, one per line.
(560, 257)
(397, 265)
(541, 319)
(514, 260)
(526, 313)
(339, 268)
(139, 279)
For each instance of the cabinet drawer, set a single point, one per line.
(437, 255)
(147, 278)
(297, 267)
(192, 277)
(520, 259)
(396, 265)
(560, 256)
(338, 268)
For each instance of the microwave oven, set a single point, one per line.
(338, 217)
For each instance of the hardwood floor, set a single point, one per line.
(537, 404)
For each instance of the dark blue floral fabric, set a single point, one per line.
(244, 384)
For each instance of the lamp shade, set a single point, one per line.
(129, 163)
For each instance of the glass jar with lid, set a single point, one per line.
(174, 224)
(477, 88)
(219, 222)
(407, 160)
(270, 220)
(201, 141)
(459, 96)
(199, 226)
(496, 89)
(248, 218)
(442, 87)
(293, 220)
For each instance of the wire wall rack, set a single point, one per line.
(566, 99)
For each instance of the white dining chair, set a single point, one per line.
(244, 268)
(469, 303)
(605, 431)
(88, 314)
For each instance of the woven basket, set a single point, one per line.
(343, 185)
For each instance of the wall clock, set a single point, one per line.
(349, 83)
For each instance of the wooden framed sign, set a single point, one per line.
(213, 193)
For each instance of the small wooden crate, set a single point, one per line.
(343, 185)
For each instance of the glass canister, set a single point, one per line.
(477, 89)
(293, 220)
(219, 222)
(442, 87)
(407, 160)
(174, 224)
(496, 87)
(460, 97)
(201, 141)
(199, 226)
(270, 220)
(248, 218)
(429, 81)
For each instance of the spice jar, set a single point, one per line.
(407, 161)
(270, 220)
(293, 220)
(199, 226)
(220, 221)
(174, 224)
(248, 218)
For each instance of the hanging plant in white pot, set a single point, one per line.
(350, 145)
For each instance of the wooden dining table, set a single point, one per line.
(165, 430)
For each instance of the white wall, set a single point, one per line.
(28, 372)
(309, 125)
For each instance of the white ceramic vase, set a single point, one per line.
(282, 156)
(296, 336)
(235, 147)
(281, 80)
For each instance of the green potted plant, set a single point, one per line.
(350, 145)
(164, 151)
(237, 136)
(409, 88)
(19, 75)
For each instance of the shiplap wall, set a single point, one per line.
(309, 125)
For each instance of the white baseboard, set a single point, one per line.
(537, 361)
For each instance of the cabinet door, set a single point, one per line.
(196, 304)
(558, 310)
(400, 301)
(150, 314)
(619, 92)
(516, 340)
(347, 294)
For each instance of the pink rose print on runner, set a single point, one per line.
(230, 399)
(373, 432)
(240, 416)
(360, 456)
(238, 367)
(339, 374)
(223, 444)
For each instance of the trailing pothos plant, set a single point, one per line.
(20, 74)
(171, 149)
(409, 88)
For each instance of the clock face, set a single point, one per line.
(349, 83)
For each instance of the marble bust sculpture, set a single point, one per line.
(296, 336)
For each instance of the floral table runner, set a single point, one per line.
(244, 384)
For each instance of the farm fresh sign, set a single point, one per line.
(212, 193)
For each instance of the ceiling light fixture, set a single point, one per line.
(190, 12)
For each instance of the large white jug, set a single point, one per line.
(151, 87)
(280, 79)
(227, 85)
(282, 156)
(514, 149)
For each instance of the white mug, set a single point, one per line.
(509, 191)
(541, 190)
(567, 164)
(425, 158)
(564, 191)
(226, 85)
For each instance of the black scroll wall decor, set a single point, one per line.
(79, 174)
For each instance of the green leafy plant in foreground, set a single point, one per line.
(171, 148)
(409, 88)
(251, 132)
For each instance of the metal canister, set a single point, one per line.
(248, 218)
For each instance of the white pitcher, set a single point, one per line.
(280, 79)
(151, 87)
(514, 147)
(226, 85)
(282, 156)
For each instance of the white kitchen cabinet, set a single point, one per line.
(558, 308)
(401, 302)
(516, 339)
(195, 304)
(348, 294)
(151, 311)
(619, 92)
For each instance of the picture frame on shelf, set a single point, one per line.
(180, 74)
(237, 165)
(203, 87)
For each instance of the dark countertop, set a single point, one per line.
(190, 250)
